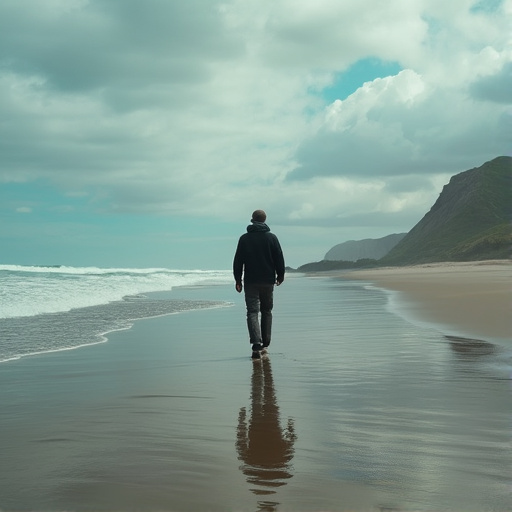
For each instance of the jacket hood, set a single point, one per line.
(257, 227)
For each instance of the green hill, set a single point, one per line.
(471, 220)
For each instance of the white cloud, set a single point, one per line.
(180, 108)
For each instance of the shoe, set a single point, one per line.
(264, 351)
(256, 349)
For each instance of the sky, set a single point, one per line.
(143, 133)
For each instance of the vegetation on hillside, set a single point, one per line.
(326, 265)
(470, 221)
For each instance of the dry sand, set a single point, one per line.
(473, 297)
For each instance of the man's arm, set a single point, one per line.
(238, 266)
(279, 262)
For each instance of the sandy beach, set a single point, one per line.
(355, 409)
(474, 298)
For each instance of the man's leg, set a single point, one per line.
(266, 305)
(252, 302)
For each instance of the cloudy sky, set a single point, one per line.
(143, 133)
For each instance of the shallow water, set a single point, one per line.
(354, 409)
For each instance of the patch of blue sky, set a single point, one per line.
(364, 70)
(38, 202)
(41, 199)
(486, 6)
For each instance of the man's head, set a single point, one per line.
(258, 216)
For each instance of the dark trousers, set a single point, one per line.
(259, 299)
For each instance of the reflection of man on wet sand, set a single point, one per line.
(262, 445)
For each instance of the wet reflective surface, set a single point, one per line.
(265, 448)
(353, 409)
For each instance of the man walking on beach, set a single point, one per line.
(260, 258)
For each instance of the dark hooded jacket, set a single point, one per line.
(259, 256)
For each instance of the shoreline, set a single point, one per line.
(351, 410)
(471, 299)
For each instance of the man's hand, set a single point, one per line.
(279, 281)
(238, 287)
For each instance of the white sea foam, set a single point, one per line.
(29, 291)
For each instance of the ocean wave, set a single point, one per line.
(62, 269)
(30, 291)
(81, 327)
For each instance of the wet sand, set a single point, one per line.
(355, 409)
(472, 299)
